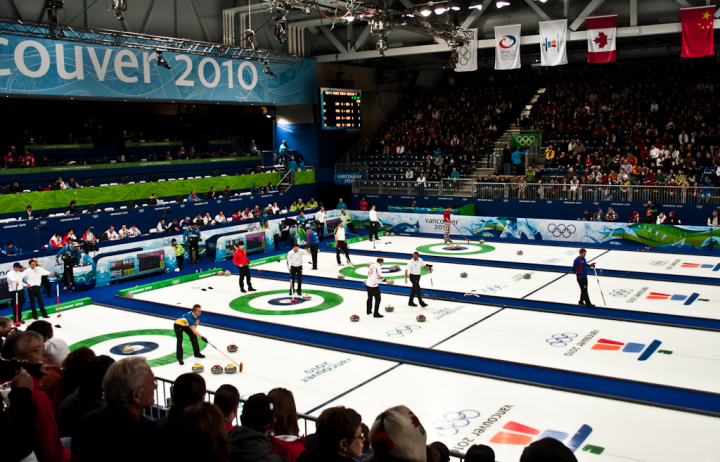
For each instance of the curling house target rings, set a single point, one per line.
(328, 300)
(428, 249)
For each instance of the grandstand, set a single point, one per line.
(222, 223)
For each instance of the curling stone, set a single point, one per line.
(216, 369)
(463, 274)
(420, 318)
(306, 297)
(392, 234)
(368, 264)
(354, 318)
(526, 276)
(390, 282)
(227, 273)
(220, 273)
(341, 276)
(232, 348)
(198, 368)
(128, 350)
(519, 252)
(482, 241)
(389, 308)
(230, 369)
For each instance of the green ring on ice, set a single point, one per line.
(483, 249)
(349, 271)
(167, 359)
(242, 304)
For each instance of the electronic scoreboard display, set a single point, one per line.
(122, 268)
(151, 261)
(341, 109)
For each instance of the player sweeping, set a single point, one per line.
(448, 223)
(188, 323)
(295, 266)
(580, 268)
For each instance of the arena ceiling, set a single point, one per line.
(646, 27)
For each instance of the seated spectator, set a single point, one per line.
(88, 236)
(70, 235)
(161, 226)
(250, 441)
(28, 213)
(672, 219)
(174, 226)
(397, 434)
(586, 216)
(207, 219)
(10, 249)
(15, 188)
(227, 192)
(200, 436)
(300, 205)
(341, 204)
(612, 215)
(237, 216)
(133, 232)
(227, 398)
(192, 197)
(275, 208)
(189, 389)
(661, 219)
(270, 188)
(479, 453)
(17, 422)
(186, 224)
(72, 209)
(29, 346)
(547, 450)
(57, 350)
(85, 398)
(61, 184)
(128, 387)
(285, 439)
(649, 218)
(599, 215)
(9, 159)
(56, 241)
(247, 214)
(293, 206)
(340, 437)
(111, 234)
(714, 220)
(312, 204)
(220, 217)
(198, 220)
(255, 189)
(153, 199)
(28, 160)
(72, 184)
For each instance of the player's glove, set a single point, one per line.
(592, 265)
(204, 339)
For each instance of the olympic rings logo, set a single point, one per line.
(454, 420)
(402, 331)
(621, 292)
(659, 263)
(495, 288)
(561, 230)
(525, 140)
(561, 340)
(465, 55)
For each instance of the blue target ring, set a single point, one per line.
(455, 250)
(286, 301)
(140, 348)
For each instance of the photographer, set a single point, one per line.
(192, 238)
(69, 254)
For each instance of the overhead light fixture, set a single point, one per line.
(279, 32)
(306, 10)
(440, 10)
(501, 4)
(349, 18)
(120, 7)
(425, 11)
(267, 70)
(161, 60)
(476, 5)
(455, 6)
(381, 46)
(541, 1)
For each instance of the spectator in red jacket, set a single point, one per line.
(28, 346)
(363, 204)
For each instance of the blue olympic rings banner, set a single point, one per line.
(62, 68)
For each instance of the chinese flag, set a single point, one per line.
(697, 31)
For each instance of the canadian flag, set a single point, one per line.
(602, 33)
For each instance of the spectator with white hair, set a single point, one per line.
(117, 432)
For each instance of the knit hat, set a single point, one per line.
(398, 433)
(258, 411)
(57, 350)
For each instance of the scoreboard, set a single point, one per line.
(341, 109)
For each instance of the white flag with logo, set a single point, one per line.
(467, 55)
(507, 47)
(553, 42)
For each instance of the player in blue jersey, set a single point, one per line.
(580, 268)
(188, 323)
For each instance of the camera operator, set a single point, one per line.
(70, 254)
(192, 238)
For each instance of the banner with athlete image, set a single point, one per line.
(467, 55)
(553, 43)
(507, 47)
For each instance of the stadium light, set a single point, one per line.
(161, 60)
(440, 10)
(476, 5)
(425, 11)
(502, 4)
(454, 5)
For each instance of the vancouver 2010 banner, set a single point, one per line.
(40, 67)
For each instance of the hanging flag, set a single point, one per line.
(467, 55)
(697, 31)
(507, 47)
(301, 236)
(602, 32)
(553, 43)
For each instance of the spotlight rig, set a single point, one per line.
(161, 60)
(120, 8)
(267, 70)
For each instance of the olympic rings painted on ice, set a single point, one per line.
(561, 340)
(402, 331)
(454, 420)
